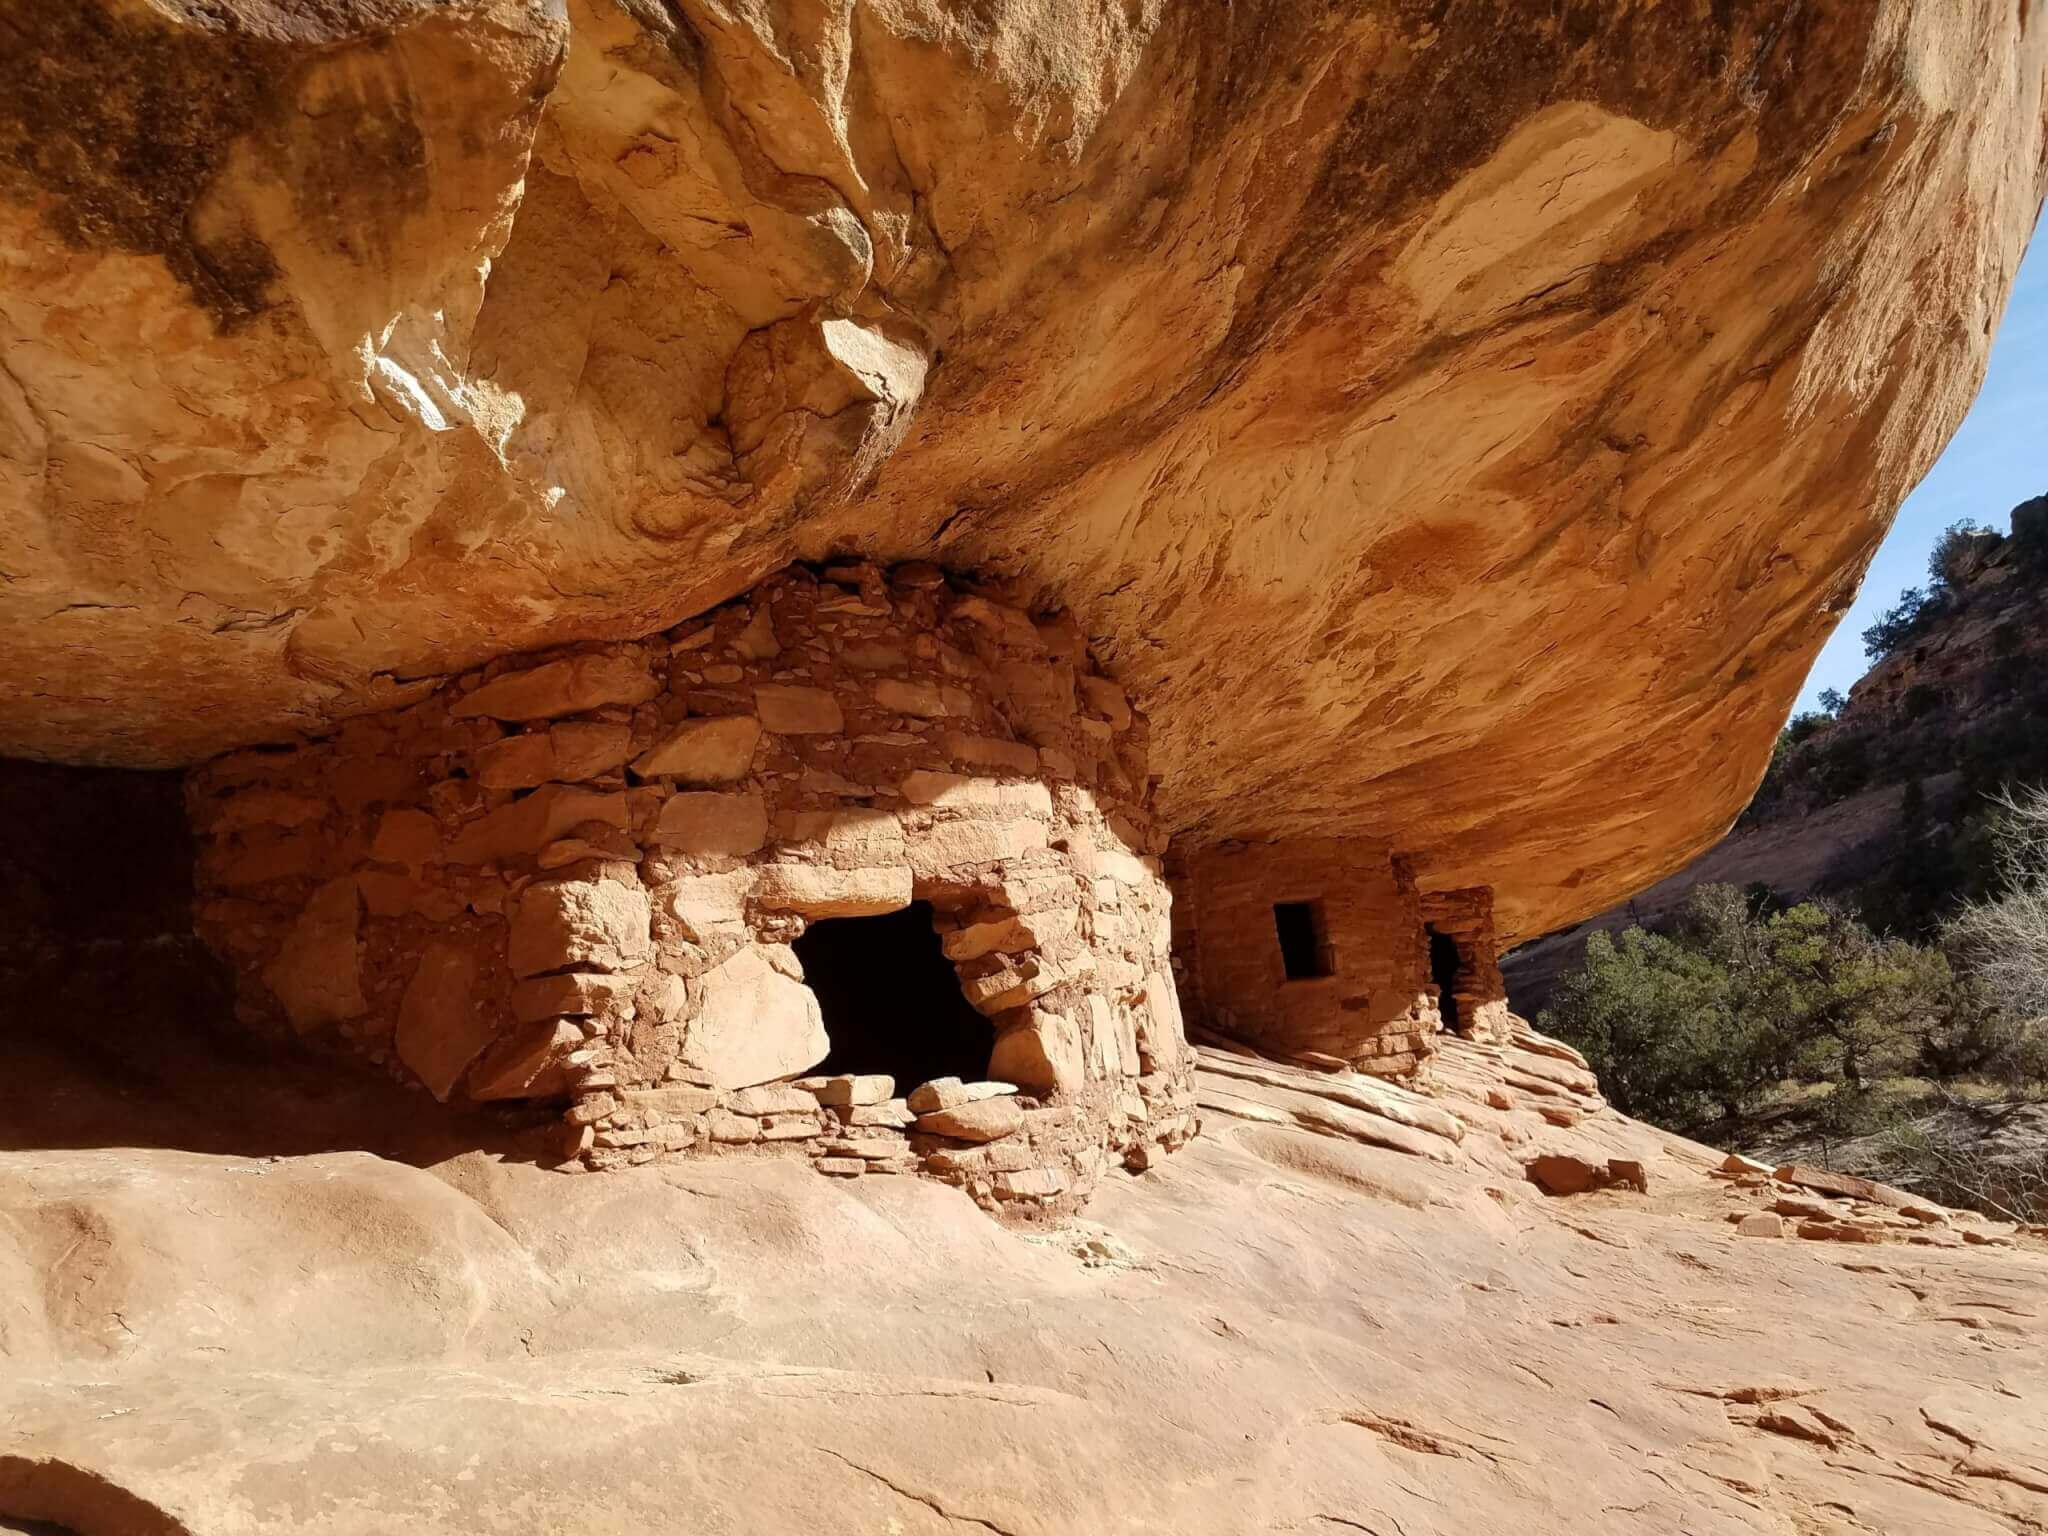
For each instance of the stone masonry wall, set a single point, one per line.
(1375, 1009)
(1466, 917)
(576, 877)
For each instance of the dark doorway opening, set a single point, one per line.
(1444, 970)
(891, 1000)
(1304, 946)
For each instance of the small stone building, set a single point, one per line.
(1324, 947)
(857, 866)
(1464, 954)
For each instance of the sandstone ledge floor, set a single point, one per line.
(1341, 1309)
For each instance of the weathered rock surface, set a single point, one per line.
(1278, 1329)
(1403, 375)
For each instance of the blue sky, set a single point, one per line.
(1997, 459)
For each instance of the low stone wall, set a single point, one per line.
(1363, 994)
(577, 877)
(1481, 993)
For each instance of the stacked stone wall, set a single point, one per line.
(1466, 917)
(576, 877)
(1374, 1009)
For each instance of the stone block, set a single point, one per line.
(841, 1167)
(406, 837)
(441, 1030)
(851, 837)
(583, 749)
(526, 826)
(1056, 764)
(823, 891)
(976, 796)
(1099, 1036)
(754, 1024)
(1843, 1232)
(925, 701)
(711, 825)
(1161, 1038)
(707, 907)
(670, 1102)
(1043, 692)
(1629, 1174)
(1130, 1061)
(315, 975)
(983, 1120)
(1004, 935)
(1015, 982)
(533, 1062)
(791, 1128)
(719, 750)
(1827, 1183)
(848, 1089)
(1803, 1208)
(758, 640)
(517, 762)
(664, 997)
(1559, 1173)
(939, 1093)
(990, 752)
(790, 711)
(1043, 1056)
(958, 1160)
(874, 656)
(947, 846)
(723, 1125)
(1107, 700)
(613, 849)
(1030, 1184)
(872, 1149)
(1125, 868)
(561, 688)
(580, 749)
(599, 925)
(772, 1099)
(576, 994)
(893, 1114)
(1761, 1224)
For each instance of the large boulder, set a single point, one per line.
(1495, 405)
(756, 1024)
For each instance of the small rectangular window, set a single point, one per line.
(1304, 946)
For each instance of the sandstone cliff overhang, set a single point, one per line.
(1454, 425)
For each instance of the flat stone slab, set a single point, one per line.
(982, 1120)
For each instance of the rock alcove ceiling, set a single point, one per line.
(1457, 425)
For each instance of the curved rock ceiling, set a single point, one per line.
(1454, 423)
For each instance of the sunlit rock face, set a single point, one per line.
(1455, 425)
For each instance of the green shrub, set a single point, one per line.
(1737, 998)
(1899, 623)
(1949, 563)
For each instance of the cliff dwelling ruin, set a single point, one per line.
(861, 866)
(1324, 948)
(852, 867)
